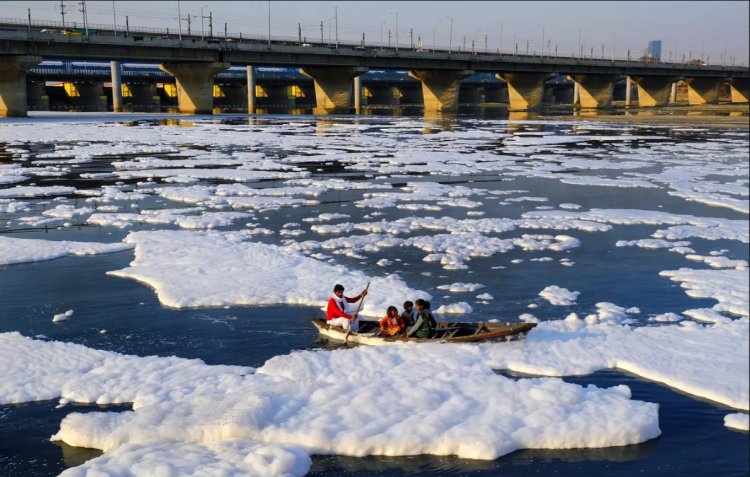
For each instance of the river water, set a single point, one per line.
(545, 166)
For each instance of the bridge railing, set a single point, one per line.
(240, 38)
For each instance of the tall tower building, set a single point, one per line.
(653, 51)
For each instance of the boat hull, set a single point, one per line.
(446, 333)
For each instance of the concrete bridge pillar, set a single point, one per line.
(473, 95)
(91, 97)
(654, 90)
(116, 86)
(195, 85)
(383, 95)
(13, 84)
(703, 90)
(37, 97)
(357, 95)
(525, 90)
(739, 90)
(333, 87)
(440, 89)
(250, 89)
(144, 98)
(595, 91)
(231, 98)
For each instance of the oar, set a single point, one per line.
(354, 316)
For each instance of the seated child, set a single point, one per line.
(391, 324)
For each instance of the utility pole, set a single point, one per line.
(62, 14)
(299, 33)
(210, 24)
(614, 38)
(321, 32)
(527, 47)
(127, 26)
(336, 21)
(485, 43)
(203, 31)
(411, 38)
(188, 22)
(579, 44)
(114, 17)
(85, 17)
(29, 18)
(179, 21)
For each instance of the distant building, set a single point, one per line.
(653, 51)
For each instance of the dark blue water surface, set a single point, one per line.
(694, 440)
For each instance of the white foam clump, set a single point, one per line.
(192, 269)
(528, 318)
(210, 459)
(62, 316)
(302, 399)
(559, 296)
(485, 297)
(650, 243)
(35, 191)
(668, 317)
(718, 261)
(738, 421)
(460, 287)
(727, 286)
(455, 308)
(17, 250)
(69, 212)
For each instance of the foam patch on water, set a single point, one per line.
(191, 269)
(16, 250)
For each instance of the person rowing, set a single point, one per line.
(336, 312)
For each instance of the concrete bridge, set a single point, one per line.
(336, 70)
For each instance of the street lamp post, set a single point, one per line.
(336, 20)
(501, 38)
(542, 41)
(450, 37)
(269, 23)
(396, 31)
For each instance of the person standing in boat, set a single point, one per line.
(391, 324)
(407, 316)
(425, 324)
(336, 314)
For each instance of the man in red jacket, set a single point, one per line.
(336, 314)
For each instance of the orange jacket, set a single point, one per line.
(391, 326)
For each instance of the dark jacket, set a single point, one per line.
(424, 326)
(408, 319)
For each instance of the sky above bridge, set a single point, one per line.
(690, 30)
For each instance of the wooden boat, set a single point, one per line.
(447, 332)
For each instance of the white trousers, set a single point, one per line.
(344, 323)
